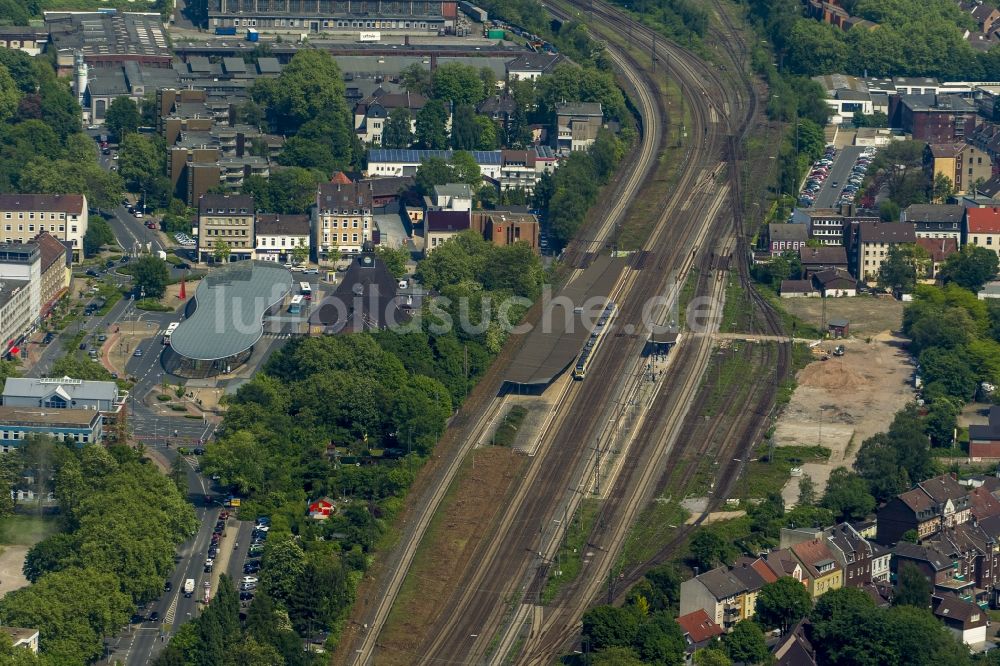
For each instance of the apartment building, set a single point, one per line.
(55, 270)
(342, 219)
(961, 163)
(226, 219)
(870, 245)
(982, 228)
(279, 235)
(62, 215)
(20, 293)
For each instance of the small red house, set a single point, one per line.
(321, 508)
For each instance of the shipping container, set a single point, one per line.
(253, 35)
(494, 34)
(226, 30)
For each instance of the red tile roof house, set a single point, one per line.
(939, 249)
(321, 509)
(984, 440)
(698, 628)
(982, 228)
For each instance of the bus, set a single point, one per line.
(170, 331)
(296, 305)
(305, 290)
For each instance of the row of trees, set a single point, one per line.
(568, 194)
(914, 38)
(41, 146)
(270, 635)
(111, 554)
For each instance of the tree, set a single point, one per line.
(609, 626)
(72, 609)
(221, 251)
(141, 161)
(98, 235)
(398, 132)
(122, 117)
(431, 126)
(151, 275)
(659, 640)
(300, 253)
(847, 495)
(807, 491)
(898, 271)
(942, 188)
(289, 190)
(941, 421)
(970, 268)
(466, 169)
(847, 628)
(309, 86)
(283, 564)
(458, 84)
(711, 657)
(395, 259)
(416, 79)
(464, 128)
(746, 643)
(616, 656)
(708, 549)
(489, 138)
(433, 171)
(10, 97)
(783, 603)
(913, 588)
(238, 460)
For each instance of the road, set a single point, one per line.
(139, 644)
(839, 173)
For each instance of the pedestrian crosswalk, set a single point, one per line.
(168, 617)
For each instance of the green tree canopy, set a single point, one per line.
(431, 126)
(745, 643)
(122, 117)
(398, 130)
(847, 495)
(151, 275)
(783, 603)
(970, 268)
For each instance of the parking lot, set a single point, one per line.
(836, 178)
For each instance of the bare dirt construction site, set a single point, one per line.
(840, 402)
(867, 315)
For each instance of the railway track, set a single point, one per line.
(737, 436)
(468, 428)
(472, 616)
(507, 564)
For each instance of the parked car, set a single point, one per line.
(168, 586)
(246, 596)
